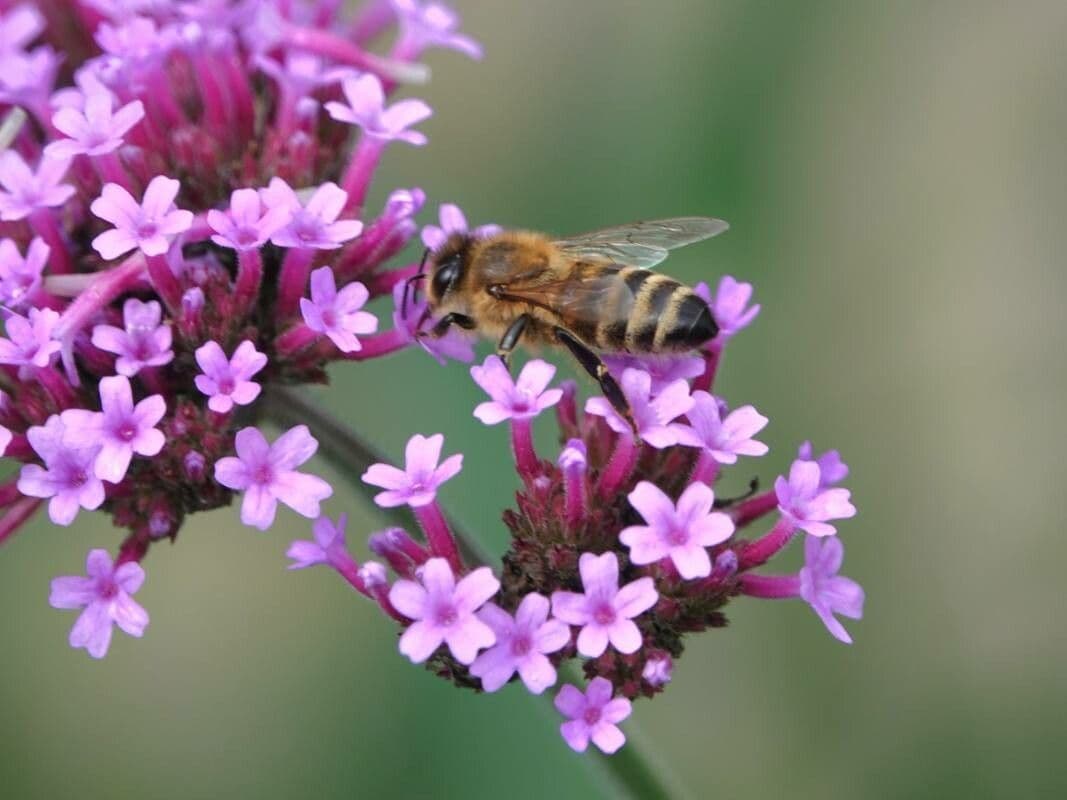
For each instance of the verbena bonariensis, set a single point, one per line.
(182, 222)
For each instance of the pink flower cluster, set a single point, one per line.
(620, 548)
(183, 224)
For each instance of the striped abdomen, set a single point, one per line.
(651, 313)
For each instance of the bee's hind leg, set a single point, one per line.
(510, 340)
(595, 367)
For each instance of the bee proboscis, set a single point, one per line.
(591, 292)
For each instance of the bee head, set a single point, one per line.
(447, 267)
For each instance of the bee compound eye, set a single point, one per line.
(445, 276)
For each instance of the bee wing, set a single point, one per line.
(641, 244)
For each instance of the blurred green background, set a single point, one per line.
(894, 176)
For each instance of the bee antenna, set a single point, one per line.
(414, 278)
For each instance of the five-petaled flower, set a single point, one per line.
(452, 221)
(729, 306)
(416, 485)
(443, 611)
(803, 500)
(824, 590)
(314, 225)
(329, 546)
(605, 612)
(726, 438)
(68, 475)
(25, 191)
(96, 128)
(681, 532)
(120, 429)
(247, 224)
(366, 109)
(653, 416)
(30, 343)
(105, 595)
(143, 341)
(593, 716)
(228, 381)
(431, 24)
(337, 314)
(267, 475)
(150, 225)
(522, 642)
(521, 398)
(20, 276)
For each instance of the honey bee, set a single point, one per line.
(591, 292)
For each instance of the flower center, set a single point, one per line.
(146, 230)
(126, 431)
(263, 474)
(604, 614)
(678, 536)
(107, 589)
(227, 385)
(329, 318)
(591, 716)
(77, 478)
(445, 615)
(246, 237)
(521, 645)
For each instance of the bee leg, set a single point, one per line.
(595, 367)
(510, 339)
(753, 487)
(442, 325)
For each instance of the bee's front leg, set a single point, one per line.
(442, 325)
(510, 340)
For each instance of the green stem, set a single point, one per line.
(630, 773)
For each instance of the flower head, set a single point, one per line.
(680, 532)
(337, 313)
(329, 546)
(653, 416)
(30, 342)
(366, 109)
(247, 225)
(593, 716)
(726, 438)
(432, 24)
(416, 485)
(267, 475)
(826, 591)
(523, 398)
(20, 276)
(67, 477)
(521, 644)
(730, 305)
(605, 612)
(24, 191)
(94, 128)
(143, 341)
(803, 500)
(150, 225)
(444, 611)
(228, 381)
(105, 594)
(314, 225)
(120, 430)
(452, 221)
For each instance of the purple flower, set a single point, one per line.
(726, 439)
(94, 128)
(267, 474)
(27, 79)
(658, 669)
(605, 612)
(521, 644)
(105, 594)
(302, 73)
(729, 306)
(416, 485)
(452, 221)
(366, 108)
(826, 591)
(149, 225)
(20, 276)
(426, 25)
(664, 370)
(144, 342)
(455, 344)
(680, 532)
(314, 225)
(247, 225)
(803, 500)
(30, 342)
(67, 477)
(593, 715)
(18, 27)
(337, 314)
(329, 546)
(444, 611)
(653, 415)
(832, 470)
(120, 430)
(524, 398)
(25, 190)
(228, 381)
